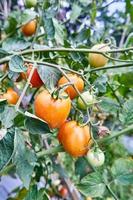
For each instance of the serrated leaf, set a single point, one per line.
(7, 116)
(49, 27)
(16, 64)
(92, 185)
(36, 126)
(49, 75)
(60, 33)
(76, 10)
(7, 148)
(122, 170)
(24, 159)
(126, 116)
(100, 83)
(15, 44)
(109, 105)
(34, 194)
(3, 53)
(27, 16)
(81, 166)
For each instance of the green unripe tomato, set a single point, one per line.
(98, 60)
(96, 157)
(30, 3)
(88, 98)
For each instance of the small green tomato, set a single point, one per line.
(30, 3)
(88, 98)
(96, 157)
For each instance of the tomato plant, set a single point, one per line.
(66, 100)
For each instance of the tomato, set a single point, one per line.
(98, 60)
(78, 82)
(88, 198)
(63, 192)
(30, 3)
(35, 80)
(53, 111)
(30, 28)
(88, 98)
(11, 96)
(96, 157)
(75, 139)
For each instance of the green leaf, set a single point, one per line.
(81, 166)
(129, 40)
(49, 27)
(7, 148)
(126, 116)
(3, 53)
(10, 25)
(49, 75)
(16, 64)
(34, 194)
(27, 16)
(60, 34)
(92, 185)
(36, 126)
(100, 83)
(109, 105)
(15, 44)
(122, 170)
(24, 159)
(76, 10)
(7, 116)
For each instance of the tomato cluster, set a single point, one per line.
(54, 108)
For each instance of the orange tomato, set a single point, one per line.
(53, 111)
(75, 139)
(11, 96)
(78, 82)
(29, 28)
(35, 80)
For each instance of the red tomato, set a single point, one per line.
(11, 96)
(35, 80)
(63, 192)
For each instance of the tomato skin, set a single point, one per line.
(35, 81)
(11, 96)
(30, 3)
(75, 139)
(78, 82)
(96, 157)
(53, 111)
(29, 28)
(89, 99)
(98, 60)
(63, 192)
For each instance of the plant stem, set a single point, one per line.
(4, 76)
(111, 192)
(112, 67)
(129, 129)
(52, 150)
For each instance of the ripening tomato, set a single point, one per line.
(98, 60)
(75, 139)
(96, 157)
(11, 96)
(30, 3)
(35, 80)
(29, 28)
(63, 192)
(53, 111)
(88, 98)
(78, 82)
